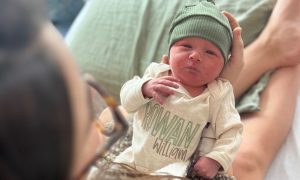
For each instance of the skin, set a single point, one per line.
(235, 64)
(87, 139)
(195, 62)
(267, 129)
(278, 52)
(275, 49)
(236, 61)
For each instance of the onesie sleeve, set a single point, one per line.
(226, 123)
(131, 92)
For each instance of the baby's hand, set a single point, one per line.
(160, 88)
(206, 167)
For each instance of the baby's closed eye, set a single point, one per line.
(187, 46)
(210, 52)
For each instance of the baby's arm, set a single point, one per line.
(225, 127)
(131, 94)
(138, 91)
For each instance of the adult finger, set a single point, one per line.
(237, 51)
(235, 64)
(237, 44)
(232, 21)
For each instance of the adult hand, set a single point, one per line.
(235, 63)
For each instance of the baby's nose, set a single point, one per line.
(195, 56)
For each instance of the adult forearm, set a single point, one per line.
(256, 63)
(276, 47)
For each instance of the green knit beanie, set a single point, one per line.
(203, 20)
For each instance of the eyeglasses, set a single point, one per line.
(119, 128)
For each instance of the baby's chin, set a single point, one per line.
(193, 83)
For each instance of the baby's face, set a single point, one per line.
(195, 61)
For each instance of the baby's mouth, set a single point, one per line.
(191, 68)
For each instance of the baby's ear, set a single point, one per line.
(165, 59)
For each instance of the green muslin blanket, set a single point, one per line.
(116, 39)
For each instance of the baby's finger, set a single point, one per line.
(165, 91)
(168, 83)
(158, 98)
(170, 78)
